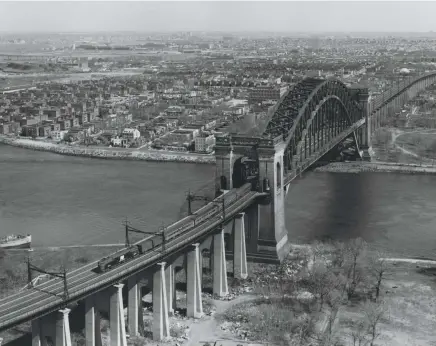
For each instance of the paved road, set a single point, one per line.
(32, 303)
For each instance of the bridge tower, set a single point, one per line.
(229, 152)
(273, 236)
(224, 163)
(266, 235)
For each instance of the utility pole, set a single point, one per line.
(223, 205)
(192, 197)
(129, 228)
(62, 274)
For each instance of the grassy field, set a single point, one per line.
(386, 151)
(409, 299)
(404, 146)
(421, 143)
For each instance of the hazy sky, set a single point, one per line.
(218, 16)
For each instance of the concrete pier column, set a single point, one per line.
(194, 304)
(63, 335)
(170, 288)
(134, 304)
(220, 287)
(240, 269)
(92, 323)
(161, 326)
(116, 311)
(37, 335)
(200, 260)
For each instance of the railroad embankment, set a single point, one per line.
(387, 167)
(99, 153)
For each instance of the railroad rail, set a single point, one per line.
(82, 282)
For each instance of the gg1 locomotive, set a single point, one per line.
(156, 242)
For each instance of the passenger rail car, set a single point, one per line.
(119, 257)
(157, 241)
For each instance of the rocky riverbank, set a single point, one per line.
(386, 167)
(107, 153)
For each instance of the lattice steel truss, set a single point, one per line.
(310, 115)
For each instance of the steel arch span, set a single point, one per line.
(312, 118)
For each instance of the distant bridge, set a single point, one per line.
(252, 179)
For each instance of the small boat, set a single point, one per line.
(16, 241)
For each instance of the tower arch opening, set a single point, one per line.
(239, 175)
(279, 174)
(223, 182)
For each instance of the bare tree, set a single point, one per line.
(317, 250)
(378, 269)
(333, 301)
(322, 282)
(304, 331)
(358, 333)
(354, 272)
(339, 254)
(374, 314)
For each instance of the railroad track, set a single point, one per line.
(24, 306)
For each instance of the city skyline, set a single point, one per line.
(311, 16)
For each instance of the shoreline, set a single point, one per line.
(353, 167)
(98, 153)
(376, 166)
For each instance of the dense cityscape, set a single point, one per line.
(183, 89)
(266, 188)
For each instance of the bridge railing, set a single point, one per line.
(138, 264)
(387, 94)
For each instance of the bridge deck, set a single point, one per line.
(82, 282)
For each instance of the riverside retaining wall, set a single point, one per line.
(386, 167)
(107, 153)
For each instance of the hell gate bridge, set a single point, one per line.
(252, 179)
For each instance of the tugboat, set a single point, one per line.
(16, 241)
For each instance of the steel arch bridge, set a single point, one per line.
(317, 114)
(312, 117)
(310, 120)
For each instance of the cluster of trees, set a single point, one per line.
(347, 272)
(337, 274)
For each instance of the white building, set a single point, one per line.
(118, 142)
(131, 134)
(204, 143)
(58, 135)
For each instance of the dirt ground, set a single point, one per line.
(410, 299)
(404, 146)
(196, 332)
(419, 143)
(209, 329)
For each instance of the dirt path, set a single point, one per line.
(395, 133)
(398, 133)
(207, 329)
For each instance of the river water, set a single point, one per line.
(68, 200)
